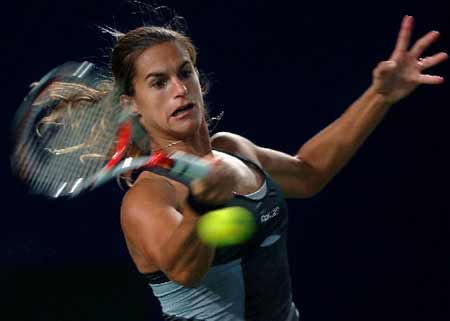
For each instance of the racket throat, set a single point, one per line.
(124, 138)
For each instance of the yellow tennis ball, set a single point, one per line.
(226, 226)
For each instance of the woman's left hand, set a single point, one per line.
(397, 77)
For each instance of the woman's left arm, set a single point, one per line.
(321, 157)
(394, 79)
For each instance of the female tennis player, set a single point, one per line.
(155, 69)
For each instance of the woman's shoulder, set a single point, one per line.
(148, 187)
(235, 144)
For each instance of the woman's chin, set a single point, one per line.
(183, 129)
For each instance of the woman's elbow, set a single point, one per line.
(306, 191)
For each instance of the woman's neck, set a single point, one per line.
(198, 144)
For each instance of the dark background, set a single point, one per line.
(373, 245)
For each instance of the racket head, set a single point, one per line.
(65, 130)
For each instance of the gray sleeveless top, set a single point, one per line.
(250, 281)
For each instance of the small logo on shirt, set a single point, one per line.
(271, 214)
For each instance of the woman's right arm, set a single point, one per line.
(151, 221)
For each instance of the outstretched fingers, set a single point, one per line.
(404, 36)
(429, 79)
(434, 60)
(423, 43)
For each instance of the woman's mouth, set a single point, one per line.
(183, 110)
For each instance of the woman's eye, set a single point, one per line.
(160, 83)
(186, 73)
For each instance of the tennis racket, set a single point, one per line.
(70, 135)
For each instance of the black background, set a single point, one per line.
(373, 245)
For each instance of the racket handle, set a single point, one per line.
(188, 167)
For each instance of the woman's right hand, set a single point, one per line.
(217, 187)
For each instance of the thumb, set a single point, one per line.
(384, 67)
(197, 187)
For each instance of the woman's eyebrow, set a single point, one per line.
(161, 73)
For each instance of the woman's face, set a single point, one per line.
(168, 95)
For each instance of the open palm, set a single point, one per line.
(403, 71)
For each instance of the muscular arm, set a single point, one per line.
(318, 160)
(332, 148)
(321, 157)
(393, 80)
(162, 234)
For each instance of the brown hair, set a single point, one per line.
(126, 51)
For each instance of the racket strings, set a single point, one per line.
(70, 143)
(69, 94)
(89, 137)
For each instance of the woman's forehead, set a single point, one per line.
(161, 58)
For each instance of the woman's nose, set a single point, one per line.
(180, 88)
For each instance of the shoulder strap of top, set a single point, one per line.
(242, 158)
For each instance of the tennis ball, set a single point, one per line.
(226, 226)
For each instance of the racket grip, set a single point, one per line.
(188, 167)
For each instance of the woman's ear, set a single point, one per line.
(128, 103)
